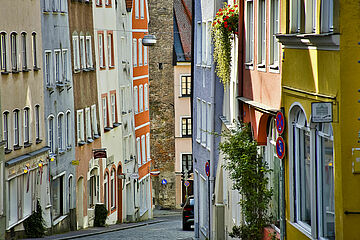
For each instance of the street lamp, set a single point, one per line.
(149, 40)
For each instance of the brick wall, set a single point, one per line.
(161, 76)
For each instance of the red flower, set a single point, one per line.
(218, 21)
(229, 28)
(221, 13)
(220, 9)
(236, 6)
(236, 33)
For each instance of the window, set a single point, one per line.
(198, 120)
(88, 124)
(48, 67)
(68, 129)
(113, 108)
(57, 190)
(136, 100)
(26, 125)
(148, 146)
(142, 9)
(51, 133)
(143, 149)
(185, 85)
(136, 8)
(187, 163)
(98, 2)
(262, 34)
(60, 122)
(327, 16)
(3, 51)
(64, 65)
(208, 125)
(94, 120)
(274, 29)
(141, 99)
(203, 122)
(186, 127)
(249, 30)
(106, 190)
(57, 66)
(146, 96)
(208, 43)
(13, 51)
(37, 122)
(113, 190)
(135, 51)
(23, 51)
(76, 52)
(198, 43)
(145, 55)
(138, 150)
(110, 47)
(16, 128)
(80, 126)
(93, 188)
(105, 111)
(107, 2)
(101, 50)
(203, 43)
(34, 50)
(89, 52)
(82, 52)
(140, 52)
(6, 129)
(70, 195)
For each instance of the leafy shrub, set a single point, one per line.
(34, 225)
(100, 215)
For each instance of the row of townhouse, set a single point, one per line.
(300, 58)
(75, 113)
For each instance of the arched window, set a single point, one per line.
(113, 189)
(60, 122)
(106, 190)
(13, 44)
(51, 133)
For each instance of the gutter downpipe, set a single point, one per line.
(241, 57)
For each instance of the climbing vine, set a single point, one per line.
(224, 26)
(249, 174)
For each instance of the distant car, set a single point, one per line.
(188, 213)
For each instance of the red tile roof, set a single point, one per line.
(182, 10)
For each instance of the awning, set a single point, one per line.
(26, 156)
(259, 106)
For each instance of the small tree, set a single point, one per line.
(34, 225)
(249, 174)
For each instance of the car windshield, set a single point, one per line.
(191, 202)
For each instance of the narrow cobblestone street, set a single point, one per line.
(170, 229)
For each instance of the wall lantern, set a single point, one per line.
(121, 176)
(149, 40)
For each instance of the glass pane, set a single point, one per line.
(328, 216)
(275, 182)
(305, 204)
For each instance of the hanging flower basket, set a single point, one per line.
(224, 27)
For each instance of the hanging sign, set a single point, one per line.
(280, 147)
(207, 168)
(99, 153)
(321, 112)
(280, 122)
(75, 162)
(134, 176)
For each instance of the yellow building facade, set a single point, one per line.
(321, 64)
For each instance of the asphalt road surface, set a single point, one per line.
(170, 229)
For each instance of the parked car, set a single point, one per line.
(188, 213)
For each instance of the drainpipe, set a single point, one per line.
(241, 56)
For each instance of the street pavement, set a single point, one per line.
(169, 229)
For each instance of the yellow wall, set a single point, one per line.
(333, 73)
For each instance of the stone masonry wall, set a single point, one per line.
(162, 113)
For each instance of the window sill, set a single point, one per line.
(81, 143)
(17, 147)
(107, 129)
(102, 68)
(322, 41)
(36, 68)
(89, 140)
(249, 65)
(7, 150)
(96, 136)
(124, 113)
(50, 87)
(301, 229)
(261, 67)
(5, 73)
(27, 144)
(68, 148)
(116, 124)
(26, 70)
(61, 151)
(111, 67)
(15, 71)
(38, 140)
(185, 96)
(186, 136)
(274, 68)
(60, 85)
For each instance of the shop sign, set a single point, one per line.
(321, 112)
(134, 176)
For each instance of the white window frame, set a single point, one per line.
(136, 104)
(110, 49)
(26, 127)
(142, 9)
(148, 146)
(14, 51)
(57, 65)
(88, 124)
(104, 105)
(101, 50)
(138, 151)
(134, 52)
(37, 122)
(261, 37)
(94, 120)
(82, 52)
(6, 135)
(198, 120)
(203, 43)
(68, 129)
(50, 133)
(140, 47)
(64, 64)
(113, 188)
(146, 96)
(34, 50)
(274, 28)
(113, 107)
(203, 123)
(145, 55)
(208, 43)
(88, 46)
(208, 126)
(16, 114)
(198, 44)
(249, 30)
(143, 148)
(141, 98)
(24, 51)
(137, 9)
(80, 125)
(48, 67)
(3, 51)
(327, 16)
(76, 52)
(106, 190)
(60, 132)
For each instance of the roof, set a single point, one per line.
(182, 29)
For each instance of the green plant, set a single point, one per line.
(34, 225)
(100, 215)
(249, 174)
(224, 26)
